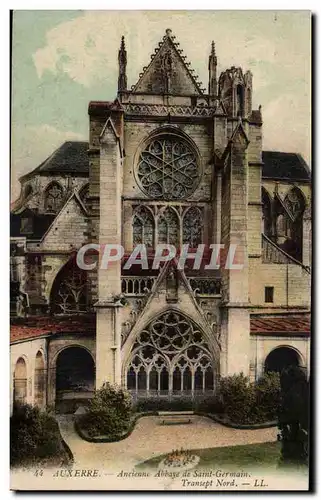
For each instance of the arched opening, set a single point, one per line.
(20, 382)
(169, 358)
(70, 290)
(295, 205)
(266, 213)
(281, 358)
(192, 227)
(143, 227)
(53, 197)
(168, 227)
(75, 377)
(40, 381)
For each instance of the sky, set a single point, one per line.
(61, 60)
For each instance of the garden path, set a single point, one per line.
(150, 439)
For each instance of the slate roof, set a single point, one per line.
(275, 325)
(70, 158)
(47, 326)
(288, 166)
(40, 224)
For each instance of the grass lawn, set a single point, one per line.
(244, 456)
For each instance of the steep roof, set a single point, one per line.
(167, 72)
(70, 157)
(287, 166)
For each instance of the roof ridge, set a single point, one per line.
(168, 36)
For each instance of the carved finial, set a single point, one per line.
(213, 48)
(168, 32)
(122, 63)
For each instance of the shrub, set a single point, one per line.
(34, 434)
(293, 418)
(246, 403)
(108, 413)
(238, 398)
(178, 403)
(268, 396)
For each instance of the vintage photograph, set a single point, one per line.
(160, 250)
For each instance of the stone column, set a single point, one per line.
(108, 344)
(235, 326)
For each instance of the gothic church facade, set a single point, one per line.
(167, 162)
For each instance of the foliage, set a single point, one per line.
(247, 403)
(294, 417)
(108, 413)
(268, 396)
(178, 403)
(34, 434)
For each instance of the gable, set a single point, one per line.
(167, 72)
(69, 227)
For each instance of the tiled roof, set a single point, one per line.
(37, 327)
(278, 165)
(295, 324)
(70, 157)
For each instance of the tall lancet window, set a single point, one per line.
(168, 227)
(143, 227)
(192, 227)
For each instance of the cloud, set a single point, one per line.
(31, 146)
(278, 118)
(274, 45)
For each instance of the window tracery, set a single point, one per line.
(143, 227)
(168, 227)
(70, 291)
(170, 355)
(53, 198)
(168, 168)
(192, 227)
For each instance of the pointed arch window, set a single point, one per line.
(266, 213)
(295, 206)
(168, 227)
(170, 355)
(192, 227)
(143, 227)
(53, 198)
(70, 291)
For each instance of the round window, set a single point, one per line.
(168, 168)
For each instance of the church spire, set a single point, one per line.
(212, 70)
(122, 63)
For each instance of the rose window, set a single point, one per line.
(168, 169)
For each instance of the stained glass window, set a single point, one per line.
(192, 227)
(168, 227)
(143, 227)
(168, 169)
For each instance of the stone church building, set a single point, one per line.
(167, 162)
